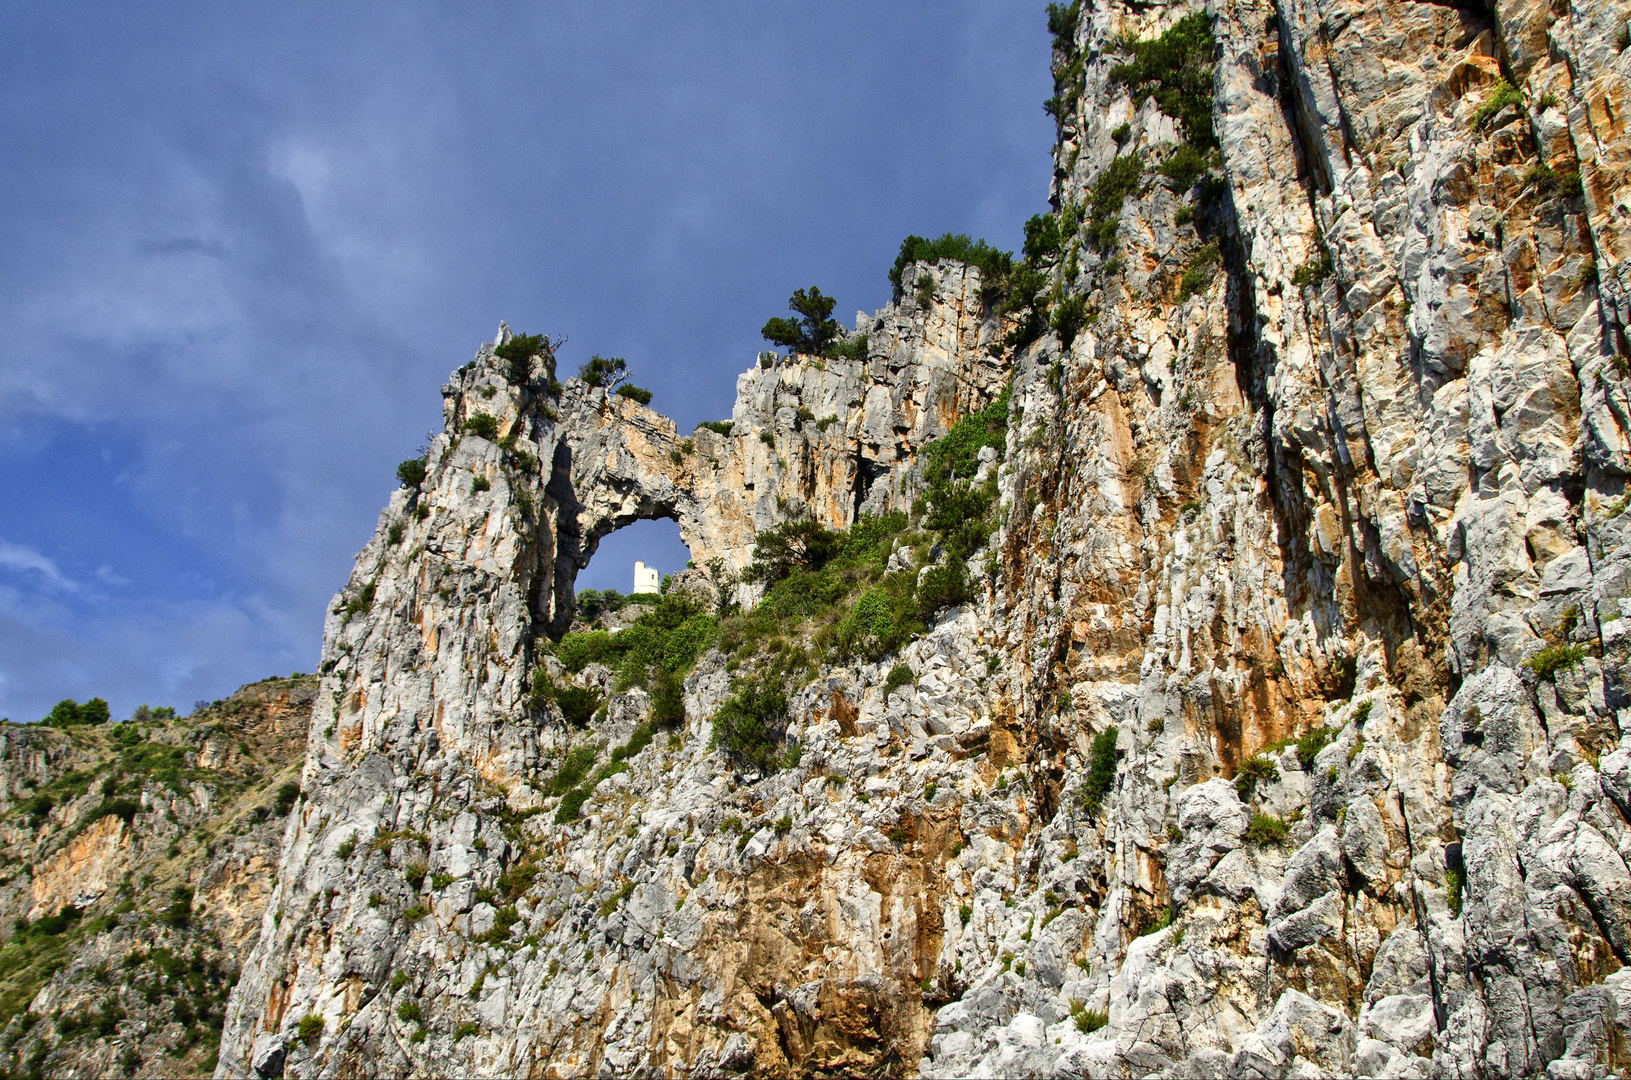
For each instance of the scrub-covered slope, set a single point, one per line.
(137, 858)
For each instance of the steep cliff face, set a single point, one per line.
(1278, 734)
(137, 860)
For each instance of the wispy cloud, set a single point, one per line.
(21, 559)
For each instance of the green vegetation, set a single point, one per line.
(483, 426)
(882, 620)
(800, 545)
(603, 372)
(1265, 829)
(813, 331)
(1258, 767)
(310, 1029)
(1069, 316)
(1184, 166)
(992, 263)
(1500, 96)
(1176, 70)
(1310, 745)
(634, 393)
(124, 809)
(615, 901)
(718, 427)
(1312, 272)
(1198, 275)
(899, 675)
(1067, 66)
(1160, 922)
(1454, 881)
(592, 603)
(853, 347)
(1549, 181)
(69, 713)
(1101, 769)
(667, 698)
(1119, 179)
(1087, 1020)
(751, 722)
(411, 473)
(409, 1011)
(1547, 662)
(468, 1027)
(519, 351)
(668, 637)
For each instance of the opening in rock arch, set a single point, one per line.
(655, 543)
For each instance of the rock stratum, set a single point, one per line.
(1270, 727)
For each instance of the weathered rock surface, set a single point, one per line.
(1338, 454)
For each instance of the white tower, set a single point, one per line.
(645, 579)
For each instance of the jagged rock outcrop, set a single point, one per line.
(1281, 735)
(137, 861)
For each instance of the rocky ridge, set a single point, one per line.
(1280, 732)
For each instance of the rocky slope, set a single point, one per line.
(137, 860)
(1272, 730)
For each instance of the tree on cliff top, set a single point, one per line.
(604, 371)
(810, 334)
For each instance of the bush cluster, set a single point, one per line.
(1547, 662)
(668, 637)
(812, 331)
(483, 426)
(518, 353)
(69, 713)
(1101, 769)
(1255, 768)
(752, 721)
(993, 264)
(1176, 70)
(411, 473)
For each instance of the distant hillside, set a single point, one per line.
(135, 862)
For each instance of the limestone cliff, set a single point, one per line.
(1277, 732)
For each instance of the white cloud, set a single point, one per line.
(22, 559)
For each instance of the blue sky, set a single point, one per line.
(243, 246)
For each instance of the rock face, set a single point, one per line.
(1311, 497)
(137, 861)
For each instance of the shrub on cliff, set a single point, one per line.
(1176, 70)
(518, 353)
(603, 371)
(882, 620)
(634, 393)
(992, 263)
(411, 473)
(592, 602)
(813, 331)
(793, 545)
(483, 426)
(1101, 769)
(1118, 180)
(750, 724)
(576, 703)
(668, 637)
